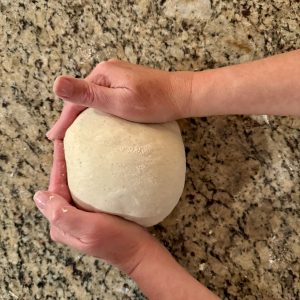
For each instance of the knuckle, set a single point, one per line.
(113, 60)
(101, 67)
(106, 64)
(101, 79)
(54, 235)
(83, 247)
(89, 95)
(56, 217)
(86, 245)
(132, 82)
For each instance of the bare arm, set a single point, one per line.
(161, 278)
(120, 242)
(141, 94)
(267, 86)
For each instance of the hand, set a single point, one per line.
(111, 238)
(126, 90)
(120, 242)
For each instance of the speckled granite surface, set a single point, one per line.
(237, 226)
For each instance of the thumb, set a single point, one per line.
(102, 235)
(77, 222)
(83, 92)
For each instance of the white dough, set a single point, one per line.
(133, 170)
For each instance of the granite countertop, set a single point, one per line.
(237, 226)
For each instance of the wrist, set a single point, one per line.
(181, 92)
(213, 92)
(160, 277)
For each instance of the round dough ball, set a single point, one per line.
(133, 170)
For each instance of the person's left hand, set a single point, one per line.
(132, 92)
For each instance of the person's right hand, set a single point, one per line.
(129, 91)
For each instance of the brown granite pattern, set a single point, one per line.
(237, 226)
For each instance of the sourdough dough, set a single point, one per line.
(133, 170)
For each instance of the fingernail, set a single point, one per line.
(48, 132)
(65, 88)
(49, 135)
(40, 199)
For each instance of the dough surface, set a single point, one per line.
(133, 170)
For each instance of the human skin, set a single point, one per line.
(141, 94)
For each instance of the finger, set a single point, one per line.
(105, 72)
(58, 178)
(111, 238)
(54, 207)
(80, 224)
(62, 237)
(85, 93)
(67, 117)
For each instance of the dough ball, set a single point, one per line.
(133, 170)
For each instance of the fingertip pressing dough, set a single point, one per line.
(133, 170)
